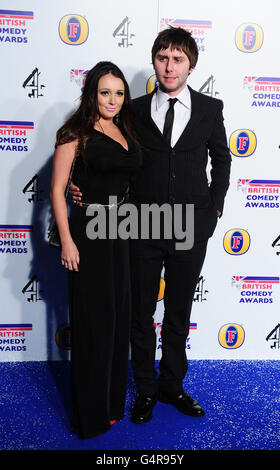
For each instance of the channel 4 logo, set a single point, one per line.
(236, 241)
(243, 143)
(249, 37)
(231, 336)
(73, 29)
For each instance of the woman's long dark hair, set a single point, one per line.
(80, 124)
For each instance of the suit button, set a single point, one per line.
(173, 175)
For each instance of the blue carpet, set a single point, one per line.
(241, 399)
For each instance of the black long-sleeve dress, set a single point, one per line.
(99, 293)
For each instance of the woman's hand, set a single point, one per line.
(70, 256)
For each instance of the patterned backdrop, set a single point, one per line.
(46, 50)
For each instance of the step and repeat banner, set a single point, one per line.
(46, 50)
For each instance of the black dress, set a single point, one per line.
(99, 293)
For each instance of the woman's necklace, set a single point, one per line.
(102, 130)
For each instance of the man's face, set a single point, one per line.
(172, 67)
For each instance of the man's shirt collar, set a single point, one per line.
(184, 97)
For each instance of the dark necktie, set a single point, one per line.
(169, 118)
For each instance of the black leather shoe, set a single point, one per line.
(142, 410)
(184, 403)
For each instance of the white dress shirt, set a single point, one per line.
(182, 111)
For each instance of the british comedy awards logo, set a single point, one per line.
(158, 331)
(231, 336)
(249, 37)
(14, 239)
(255, 289)
(13, 337)
(14, 26)
(265, 91)
(14, 135)
(243, 143)
(263, 194)
(198, 28)
(73, 29)
(236, 241)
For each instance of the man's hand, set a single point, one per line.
(75, 192)
(219, 213)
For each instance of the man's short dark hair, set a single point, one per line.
(177, 38)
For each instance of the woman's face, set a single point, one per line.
(110, 96)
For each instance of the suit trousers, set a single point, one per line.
(181, 274)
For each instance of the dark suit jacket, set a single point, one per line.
(178, 175)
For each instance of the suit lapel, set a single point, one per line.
(147, 114)
(194, 119)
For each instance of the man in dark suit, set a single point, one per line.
(177, 137)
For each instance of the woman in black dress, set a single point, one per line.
(99, 137)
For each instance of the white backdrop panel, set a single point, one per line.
(236, 306)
